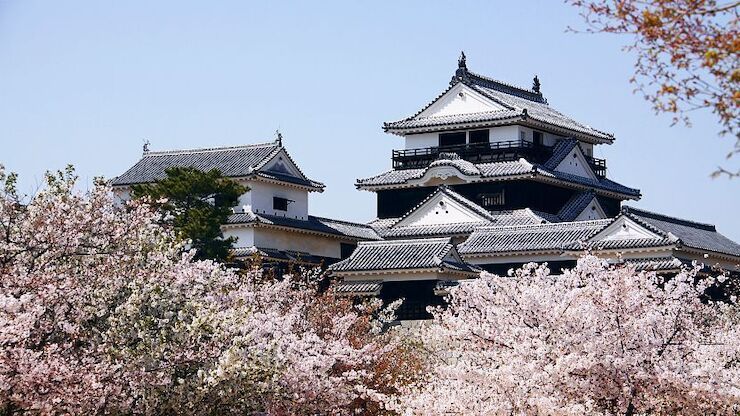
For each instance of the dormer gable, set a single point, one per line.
(282, 164)
(593, 211)
(568, 157)
(624, 228)
(583, 206)
(444, 207)
(460, 99)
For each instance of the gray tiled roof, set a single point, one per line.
(355, 287)
(388, 228)
(232, 162)
(485, 170)
(619, 244)
(519, 105)
(526, 216)
(454, 160)
(600, 183)
(539, 111)
(428, 253)
(575, 205)
(288, 178)
(542, 237)
(690, 234)
(279, 255)
(501, 170)
(462, 228)
(559, 152)
(452, 119)
(317, 224)
(658, 264)
(444, 189)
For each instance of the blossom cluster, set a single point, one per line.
(103, 311)
(597, 339)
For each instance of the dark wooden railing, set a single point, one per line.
(499, 151)
(598, 166)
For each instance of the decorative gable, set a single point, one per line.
(624, 228)
(460, 99)
(282, 164)
(576, 164)
(441, 209)
(593, 211)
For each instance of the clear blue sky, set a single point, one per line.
(84, 82)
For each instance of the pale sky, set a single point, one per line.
(85, 82)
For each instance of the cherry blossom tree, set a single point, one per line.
(101, 312)
(595, 340)
(686, 55)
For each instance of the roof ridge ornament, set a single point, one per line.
(462, 70)
(448, 156)
(279, 137)
(536, 85)
(145, 147)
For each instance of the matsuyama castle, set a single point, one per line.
(490, 177)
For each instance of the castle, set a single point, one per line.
(491, 177)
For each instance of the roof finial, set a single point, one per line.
(145, 148)
(462, 70)
(279, 139)
(536, 84)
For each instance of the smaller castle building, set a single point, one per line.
(272, 218)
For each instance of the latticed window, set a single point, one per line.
(493, 200)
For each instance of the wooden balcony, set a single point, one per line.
(500, 151)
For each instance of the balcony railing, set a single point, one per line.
(473, 152)
(500, 151)
(598, 166)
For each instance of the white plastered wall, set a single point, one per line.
(440, 209)
(259, 199)
(294, 241)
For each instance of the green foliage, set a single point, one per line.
(195, 204)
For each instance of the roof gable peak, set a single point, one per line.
(461, 99)
(463, 75)
(444, 206)
(660, 217)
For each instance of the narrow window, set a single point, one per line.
(280, 204)
(451, 139)
(478, 136)
(537, 138)
(492, 200)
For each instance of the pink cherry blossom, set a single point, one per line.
(101, 311)
(595, 340)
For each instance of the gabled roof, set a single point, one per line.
(690, 234)
(517, 105)
(528, 238)
(358, 287)
(386, 229)
(428, 253)
(446, 191)
(314, 224)
(559, 152)
(575, 205)
(658, 264)
(509, 170)
(287, 256)
(393, 227)
(232, 162)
